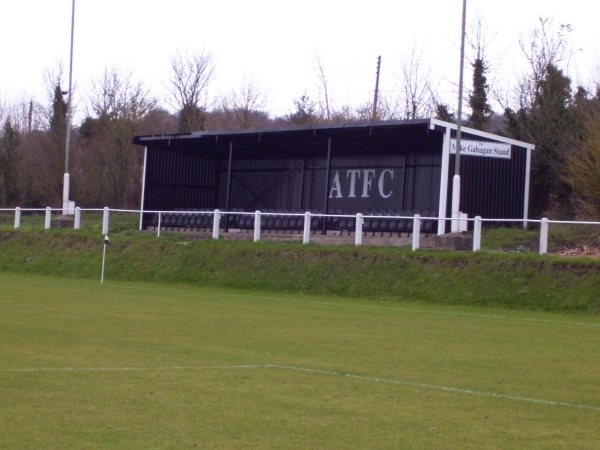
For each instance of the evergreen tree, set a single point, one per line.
(9, 143)
(55, 149)
(442, 112)
(478, 101)
(583, 162)
(191, 118)
(547, 122)
(305, 113)
(58, 120)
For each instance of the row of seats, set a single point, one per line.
(386, 222)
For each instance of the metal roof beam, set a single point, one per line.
(483, 134)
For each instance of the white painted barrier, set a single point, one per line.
(359, 223)
(77, 221)
(477, 234)
(306, 231)
(105, 216)
(159, 224)
(17, 218)
(257, 226)
(416, 232)
(216, 224)
(358, 232)
(48, 218)
(544, 237)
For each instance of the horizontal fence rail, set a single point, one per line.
(303, 223)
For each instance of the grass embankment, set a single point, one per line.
(524, 281)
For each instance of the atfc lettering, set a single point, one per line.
(362, 183)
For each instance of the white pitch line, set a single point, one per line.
(436, 387)
(373, 379)
(131, 369)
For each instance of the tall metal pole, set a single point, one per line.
(66, 180)
(376, 96)
(460, 87)
(456, 179)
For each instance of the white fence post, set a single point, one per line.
(544, 237)
(477, 234)
(17, 217)
(416, 233)
(455, 204)
(158, 225)
(256, 226)
(105, 221)
(358, 231)
(48, 220)
(77, 221)
(216, 224)
(306, 234)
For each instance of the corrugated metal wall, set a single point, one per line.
(491, 187)
(177, 180)
(261, 183)
(358, 183)
(406, 182)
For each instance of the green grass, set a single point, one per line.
(91, 221)
(510, 280)
(516, 239)
(132, 365)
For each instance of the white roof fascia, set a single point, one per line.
(435, 122)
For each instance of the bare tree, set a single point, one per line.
(243, 108)
(388, 108)
(27, 158)
(117, 95)
(546, 45)
(190, 78)
(324, 91)
(108, 167)
(417, 87)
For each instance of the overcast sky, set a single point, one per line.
(275, 43)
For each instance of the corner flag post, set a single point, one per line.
(106, 243)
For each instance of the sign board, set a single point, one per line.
(483, 149)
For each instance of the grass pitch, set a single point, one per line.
(128, 365)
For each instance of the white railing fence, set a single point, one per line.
(303, 224)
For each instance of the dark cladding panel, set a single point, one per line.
(262, 183)
(426, 190)
(176, 180)
(314, 185)
(492, 188)
(366, 183)
(423, 183)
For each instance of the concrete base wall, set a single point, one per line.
(332, 237)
